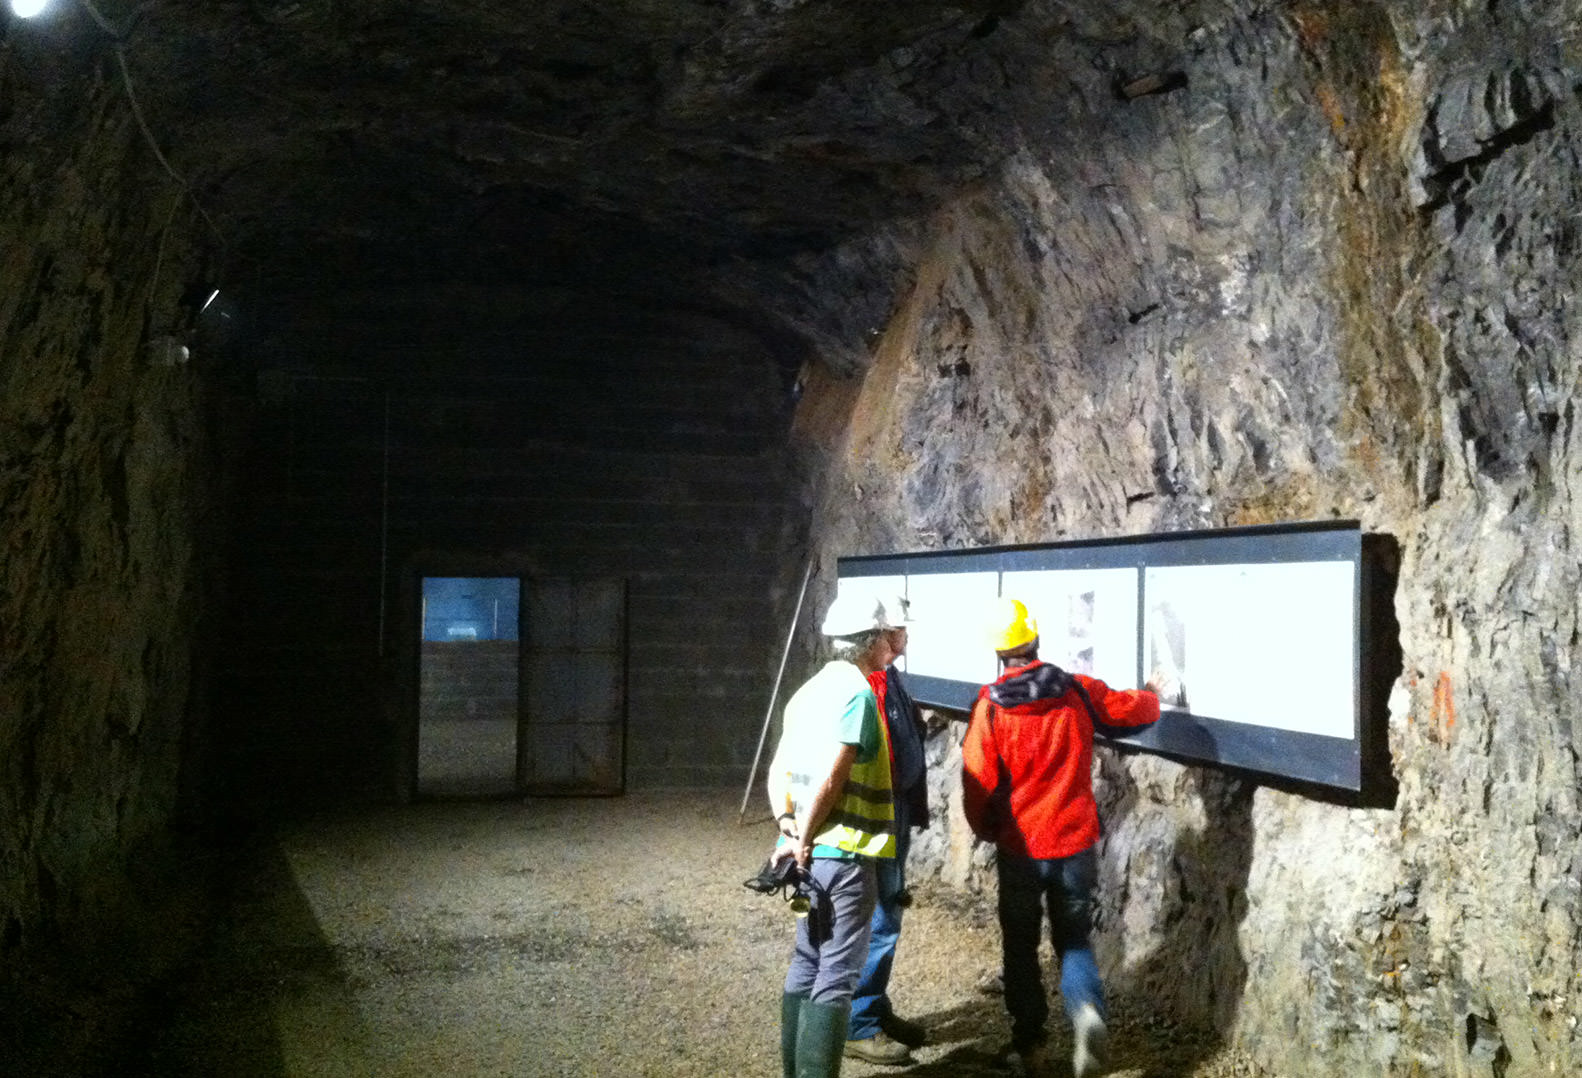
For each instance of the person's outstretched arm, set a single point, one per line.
(1125, 708)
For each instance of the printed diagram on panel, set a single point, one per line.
(1230, 642)
(1167, 653)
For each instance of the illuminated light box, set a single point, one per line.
(1261, 639)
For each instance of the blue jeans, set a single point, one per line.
(825, 967)
(1064, 887)
(871, 1003)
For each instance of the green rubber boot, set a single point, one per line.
(821, 1039)
(791, 1004)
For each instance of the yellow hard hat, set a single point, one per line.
(1011, 626)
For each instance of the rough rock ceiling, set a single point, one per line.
(592, 139)
(467, 116)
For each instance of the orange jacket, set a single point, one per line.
(1027, 768)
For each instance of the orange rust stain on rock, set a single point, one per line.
(1329, 101)
(1367, 454)
(1444, 708)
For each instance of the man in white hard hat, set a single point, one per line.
(829, 782)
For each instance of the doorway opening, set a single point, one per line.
(522, 686)
(468, 678)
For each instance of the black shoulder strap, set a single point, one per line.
(1087, 702)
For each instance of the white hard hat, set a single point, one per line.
(899, 608)
(856, 611)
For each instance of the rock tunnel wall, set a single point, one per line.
(102, 518)
(1331, 273)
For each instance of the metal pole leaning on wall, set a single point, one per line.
(774, 694)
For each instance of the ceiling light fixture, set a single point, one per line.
(26, 9)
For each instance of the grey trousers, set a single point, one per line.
(826, 965)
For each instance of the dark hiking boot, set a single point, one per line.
(908, 1033)
(1036, 1061)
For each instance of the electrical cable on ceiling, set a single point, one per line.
(104, 23)
(119, 38)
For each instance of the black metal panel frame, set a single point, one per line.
(1349, 764)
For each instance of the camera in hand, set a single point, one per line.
(775, 876)
(805, 897)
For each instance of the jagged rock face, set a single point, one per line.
(103, 487)
(1331, 275)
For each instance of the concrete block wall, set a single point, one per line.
(471, 680)
(660, 465)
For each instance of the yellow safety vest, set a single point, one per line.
(862, 821)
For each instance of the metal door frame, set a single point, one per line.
(407, 672)
(408, 659)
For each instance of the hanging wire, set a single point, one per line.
(119, 38)
(104, 23)
(159, 251)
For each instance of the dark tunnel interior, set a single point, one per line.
(374, 375)
(516, 294)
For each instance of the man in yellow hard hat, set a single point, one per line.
(1027, 787)
(830, 783)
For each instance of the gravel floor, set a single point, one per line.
(558, 938)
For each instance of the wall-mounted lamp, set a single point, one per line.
(217, 309)
(168, 351)
(216, 324)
